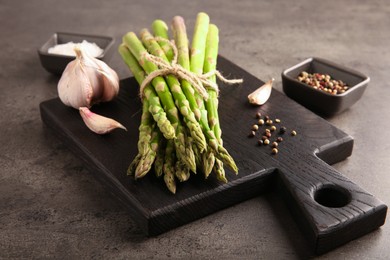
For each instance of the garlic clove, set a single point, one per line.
(97, 123)
(262, 94)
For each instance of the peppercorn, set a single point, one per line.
(279, 139)
(260, 122)
(266, 142)
(258, 115)
(269, 122)
(282, 130)
(323, 82)
(264, 137)
(255, 127)
(268, 134)
(273, 128)
(252, 134)
(277, 120)
(275, 144)
(293, 133)
(274, 151)
(260, 142)
(266, 118)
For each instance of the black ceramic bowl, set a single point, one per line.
(56, 64)
(318, 101)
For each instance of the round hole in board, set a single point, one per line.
(332, 196)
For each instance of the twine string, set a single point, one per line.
(199, 82)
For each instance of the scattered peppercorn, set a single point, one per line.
(266, 137)
(323, 82)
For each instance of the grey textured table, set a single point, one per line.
(52, 207)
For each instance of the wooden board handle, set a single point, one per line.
(329, 208)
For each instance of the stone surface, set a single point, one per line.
(52, 207)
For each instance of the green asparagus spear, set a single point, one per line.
(220, 171)
(147, 160)
(182, 172)
(145, 132)
(210, 64)
(181, 41)
(133, 165)
(197, 59)
(169, 166)
(159, 161)
(208, 160)
(160, 29)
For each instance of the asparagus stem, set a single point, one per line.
(182, 171)
(147, 160)
(160, 86)
(181, 40)
(169, 166)
(199, 43)
(208, 160)
(160, 29)
(174, 85)
(145, 132)
(220, 171)
(159, 161)
(145, 129)
(155, 107)
(133, 165)
(210, 64)
(197, 63)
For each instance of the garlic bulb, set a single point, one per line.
(98, 124)
(261, 95)
(86, 81)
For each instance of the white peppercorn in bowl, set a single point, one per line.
(323, 100)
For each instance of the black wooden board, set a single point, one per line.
(329, 208)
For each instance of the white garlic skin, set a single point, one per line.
(262, 94)
(86, 81)
(97, 123)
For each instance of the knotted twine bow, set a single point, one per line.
(199, 82)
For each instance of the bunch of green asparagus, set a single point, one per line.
(179, 133)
